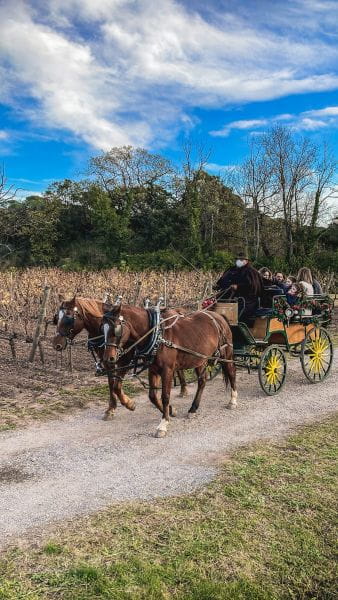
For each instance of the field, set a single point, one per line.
(263, 530)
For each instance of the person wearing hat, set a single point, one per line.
(242, 281)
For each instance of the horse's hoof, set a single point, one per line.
(191, 415)
(160, 433)
(173, 411)
(230, 406)
(131, 405)
(108, 417)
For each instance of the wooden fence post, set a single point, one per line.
(165, 292)
(39, 323)
(137, 292)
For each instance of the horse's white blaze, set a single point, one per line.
(163, 425)
(61, 314)
(106, 331)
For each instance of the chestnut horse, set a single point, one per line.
(86, 313)
(187, 342)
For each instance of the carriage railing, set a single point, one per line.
(309, 309)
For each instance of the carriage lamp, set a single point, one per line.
(289, 312)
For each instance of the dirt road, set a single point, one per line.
(59, 469)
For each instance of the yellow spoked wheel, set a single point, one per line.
(316, 355)
(272, 370)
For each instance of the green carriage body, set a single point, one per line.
(262, 347)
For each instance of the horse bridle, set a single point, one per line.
(118, 332)
(69, 322)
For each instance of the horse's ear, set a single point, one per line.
(61, 298)
(71, 303)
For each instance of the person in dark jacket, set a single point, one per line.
(242, 281)
(270, 288)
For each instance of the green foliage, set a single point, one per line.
(141, 213)
(220, 259)
(165, 260)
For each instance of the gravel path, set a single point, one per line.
(59, 469)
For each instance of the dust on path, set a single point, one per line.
(56, 470)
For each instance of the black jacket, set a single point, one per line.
(242, 277)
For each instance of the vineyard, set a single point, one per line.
(52, 381)
(21, 292)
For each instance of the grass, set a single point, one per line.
(263, 530)
(21, 412)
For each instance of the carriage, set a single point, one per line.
(300, 331)
(144, 339)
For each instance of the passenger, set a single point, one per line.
(304, 277)
(242, 281)
(294, 294)
(266, 275)
(278, 278)
(270, 289)
(289, 281)
(307, 276)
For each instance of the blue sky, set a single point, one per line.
(81, 76)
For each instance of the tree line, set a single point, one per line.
(137, 210)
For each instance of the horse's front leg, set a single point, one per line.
(109, 413)
(202, 378)
(124, 398)
(167, 379)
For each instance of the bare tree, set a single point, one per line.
(129, 167)
(7, 192)
(291, 165)
(325, 184)
(256, 187)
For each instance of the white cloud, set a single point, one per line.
(116, 72)
(305, 121)
(215, 168)
(242, 124)
(3, 135)
(329, 111)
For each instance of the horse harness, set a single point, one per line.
(147, 353)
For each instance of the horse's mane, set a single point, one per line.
(90, 306)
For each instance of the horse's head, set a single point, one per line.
(116, 333)
(69, 323)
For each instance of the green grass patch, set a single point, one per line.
(7, 426)
(263, 530)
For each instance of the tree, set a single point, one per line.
(325, 187)
(291, 166)
(257, 187)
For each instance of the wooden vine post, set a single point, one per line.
(42, 315)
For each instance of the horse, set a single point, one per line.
(86, 313)
(188, 341)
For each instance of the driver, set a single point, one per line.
(242, 281)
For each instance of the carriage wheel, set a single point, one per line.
(272, 370)
(316, 355)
